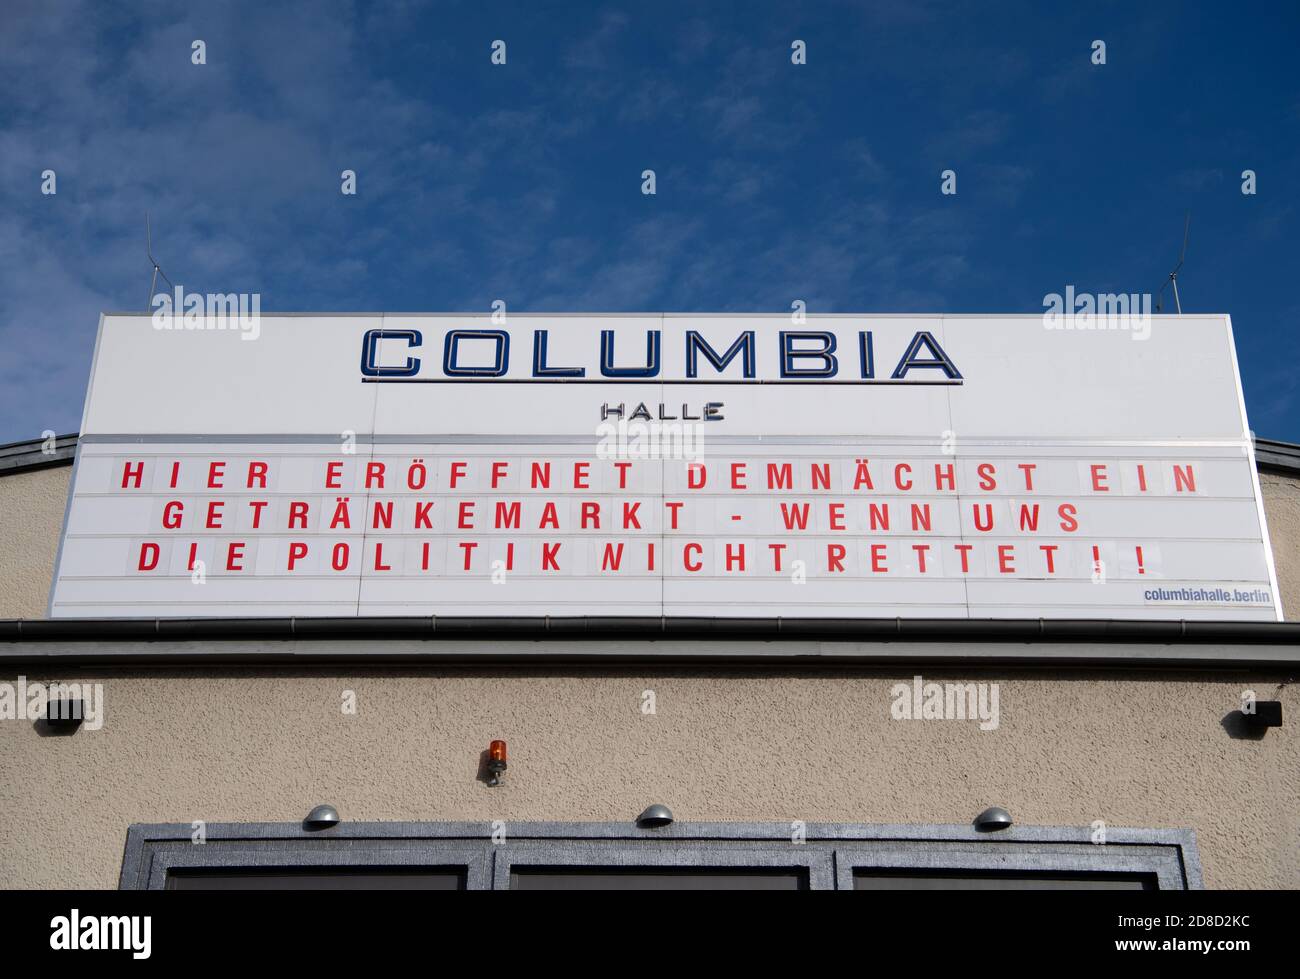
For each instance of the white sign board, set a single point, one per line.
(674, 465)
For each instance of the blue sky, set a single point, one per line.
(775, 182)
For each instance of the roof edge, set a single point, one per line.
(584, 629)
(41, 453)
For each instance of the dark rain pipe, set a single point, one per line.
(750, 642)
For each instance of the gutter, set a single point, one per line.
(34, 454)
(608, 641)
(1272, 456)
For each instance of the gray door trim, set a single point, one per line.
(831, 851)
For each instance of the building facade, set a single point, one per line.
(235, 731)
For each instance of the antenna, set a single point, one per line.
(1173, 276)
(157, 269)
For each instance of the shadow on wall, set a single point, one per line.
(1242, 727)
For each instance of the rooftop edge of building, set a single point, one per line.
(654, 642)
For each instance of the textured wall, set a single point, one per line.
(1282, 511)
(31, 519)
(241, 746)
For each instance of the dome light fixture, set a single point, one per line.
(655, 817)
(993, 819)
(322, 817)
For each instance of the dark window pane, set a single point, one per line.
(319, 879)
(659, 879)
(964, 880)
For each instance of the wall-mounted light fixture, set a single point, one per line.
(993, 819)
(1266, 714)
(322, 817)
(496, 763)
(655, 816)
(65, 714)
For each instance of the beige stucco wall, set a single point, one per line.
(1282, 513)
(31, 519)
(242, 746)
